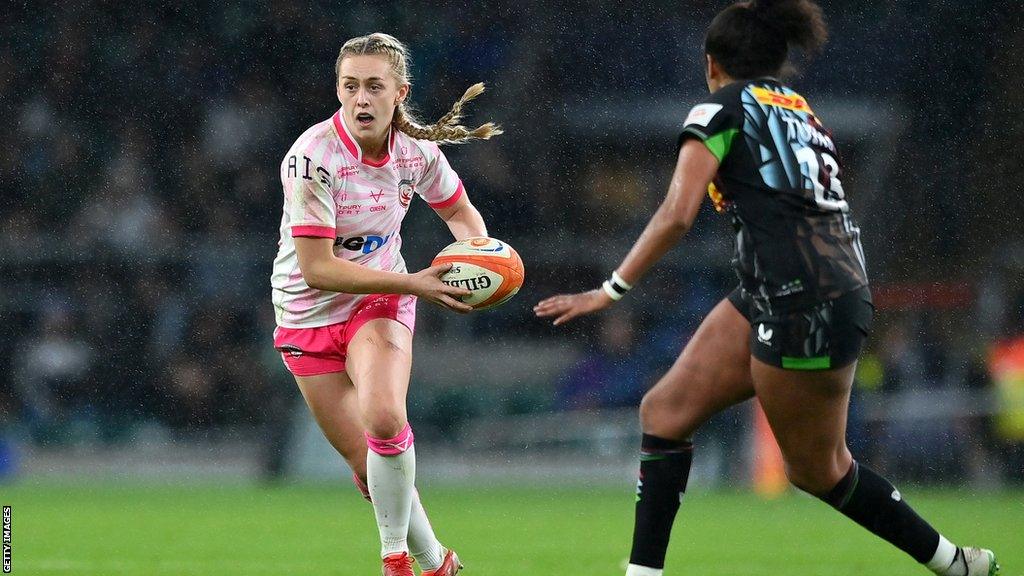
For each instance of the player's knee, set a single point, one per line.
(384, 421)
(815, 476)
(660, 416)
(391, 445)
(654, 415)
(648, 409)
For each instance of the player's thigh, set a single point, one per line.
(379, 363)
(803, 367)
(332, 400)
(807, 411)
(711, 374)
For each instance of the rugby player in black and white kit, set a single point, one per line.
(792, 331)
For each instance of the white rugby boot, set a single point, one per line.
(980, 562)
(971, 561)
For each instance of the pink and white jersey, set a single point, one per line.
(331, 191)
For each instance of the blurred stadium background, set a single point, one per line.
(140, 203)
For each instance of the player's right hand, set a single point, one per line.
(427, 284)
(565, 307)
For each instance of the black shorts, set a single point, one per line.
(822, 336)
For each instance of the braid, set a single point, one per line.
(447, 129)
(405, 122)
(455, 114)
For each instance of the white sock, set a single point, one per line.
(637, 570)
(423, 544)
(390, 480)
(942, 561)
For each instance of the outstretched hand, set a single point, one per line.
(565, 307)
(427, 284)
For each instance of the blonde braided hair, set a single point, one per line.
(447, 129)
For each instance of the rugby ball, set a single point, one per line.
(488, 267)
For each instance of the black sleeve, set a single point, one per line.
(715, 122)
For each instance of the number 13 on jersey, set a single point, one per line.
(833, 198)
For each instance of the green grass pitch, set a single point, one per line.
(328, 530)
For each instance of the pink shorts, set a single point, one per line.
(322, 350)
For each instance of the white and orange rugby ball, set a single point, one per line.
(488, 267)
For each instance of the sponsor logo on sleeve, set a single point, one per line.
(791, 101)
(702, 114)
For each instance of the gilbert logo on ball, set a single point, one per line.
(488, 267)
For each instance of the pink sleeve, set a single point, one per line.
(459, 191)
(440, 185)
(313, 231)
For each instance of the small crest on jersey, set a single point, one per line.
(701, 114)
(344, 171)
(406, 188)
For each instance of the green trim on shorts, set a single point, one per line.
(818, 363)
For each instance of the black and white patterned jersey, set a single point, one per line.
(779, 179)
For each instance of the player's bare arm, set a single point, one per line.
(695, 167)
(463, 219)
(322, 270)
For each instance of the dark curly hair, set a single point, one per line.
(752, 39)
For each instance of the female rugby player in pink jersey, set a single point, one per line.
(344, 302)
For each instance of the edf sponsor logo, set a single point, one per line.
(364, 244)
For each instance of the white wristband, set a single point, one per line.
(616, 288)
(618, 280)
(610, 291)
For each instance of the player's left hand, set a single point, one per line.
(565, 307)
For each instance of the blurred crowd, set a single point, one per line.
(140, 196)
